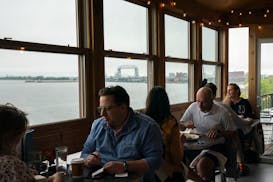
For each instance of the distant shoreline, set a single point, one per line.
(49, 81)
(41, 79)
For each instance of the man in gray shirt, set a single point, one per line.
(214, 122)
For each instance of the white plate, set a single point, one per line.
(190, 137)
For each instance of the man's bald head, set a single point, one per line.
(204, 98)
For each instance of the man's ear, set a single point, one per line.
(123, 106)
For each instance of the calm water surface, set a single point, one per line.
(52, 102)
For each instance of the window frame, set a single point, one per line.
(136, 56)
(218, 63)
(190, 61)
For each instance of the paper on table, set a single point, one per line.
(99, 171)
(192, 131)
(121, 175)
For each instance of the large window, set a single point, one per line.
(126, 33)
(125, 27)
(177, 35)
(50, 21)
(131, 75)
(46, 90)
(211, 69)
(177, 80)
(209, 44)
(209, 73)
(238, 58)
(42, 83)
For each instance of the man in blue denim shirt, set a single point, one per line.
(123, 140)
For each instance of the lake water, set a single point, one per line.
(52, 102)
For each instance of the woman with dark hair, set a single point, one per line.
(158, 108)
(13, 124)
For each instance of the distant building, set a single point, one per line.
(237, 76)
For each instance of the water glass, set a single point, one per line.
(61, 159)
(241, 110)
(35, 160)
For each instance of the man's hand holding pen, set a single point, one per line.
(92, 159)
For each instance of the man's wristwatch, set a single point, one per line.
(125, 166)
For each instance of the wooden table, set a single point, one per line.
(106, 178)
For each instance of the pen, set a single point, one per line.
(95, 155)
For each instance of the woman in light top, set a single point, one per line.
(13, 125)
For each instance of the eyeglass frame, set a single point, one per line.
(106, 108)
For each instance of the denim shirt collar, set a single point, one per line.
(130, 125)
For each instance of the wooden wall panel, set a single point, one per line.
(179, 109)
(254, 34)
(72, 134)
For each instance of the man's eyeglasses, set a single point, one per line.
(105, 109)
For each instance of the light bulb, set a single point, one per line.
(172, 3)
(162, 5)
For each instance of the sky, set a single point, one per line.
(38, 21)
(239, 51)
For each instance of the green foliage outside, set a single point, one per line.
(266, 88)
(267, 85)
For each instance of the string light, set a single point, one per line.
(162, 5)
(172, 3)
(21, 50)
(265, 13)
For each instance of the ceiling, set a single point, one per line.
(227, 5)
(235, 12)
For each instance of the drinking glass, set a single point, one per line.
(61, 159)
(241, 110)
(35, 160)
